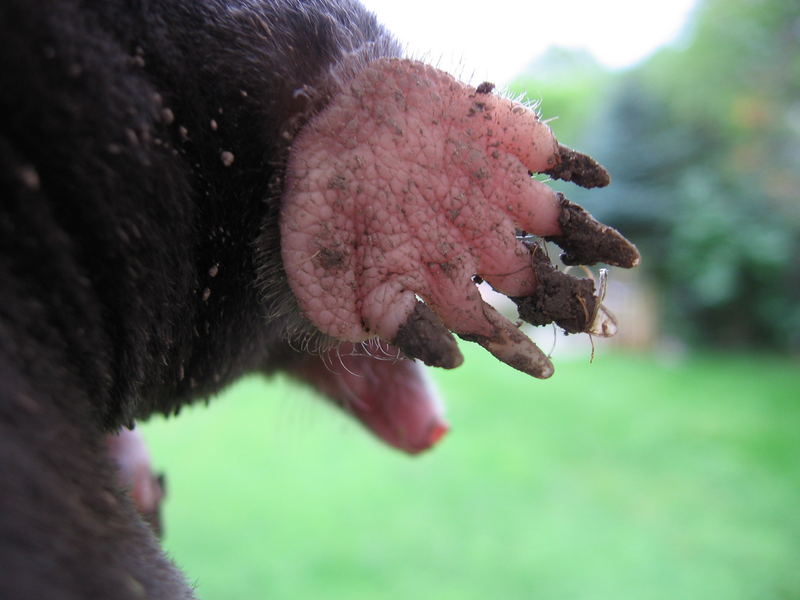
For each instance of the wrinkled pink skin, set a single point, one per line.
(391, 397)
(128, 451)
(410, 182)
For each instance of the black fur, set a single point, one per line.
(138, 271)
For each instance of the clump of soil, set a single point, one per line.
(423, 336)
(568, 301)
(586, 241)
(579, 168)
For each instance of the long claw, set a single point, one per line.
(586, 241)
(423, 336)
(579, 168)
(510, 345)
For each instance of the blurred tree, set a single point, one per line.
(703, 141)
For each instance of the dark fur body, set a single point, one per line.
(137, 270)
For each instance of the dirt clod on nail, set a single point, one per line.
(568, 301)
(586, 241)
(423, 336)
(579, 168)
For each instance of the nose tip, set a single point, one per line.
(437, 433)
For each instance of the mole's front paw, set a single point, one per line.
(409, 185)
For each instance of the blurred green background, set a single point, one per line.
(630, 478)
(667, 468)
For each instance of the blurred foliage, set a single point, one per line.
(703, 142)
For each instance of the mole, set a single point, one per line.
(193, 190)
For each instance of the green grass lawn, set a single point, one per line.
(629, 478)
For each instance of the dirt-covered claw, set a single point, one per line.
(569, 302)
(579, 168)
(508, 344)
(586, 241)
(423, 336)
(572, 303)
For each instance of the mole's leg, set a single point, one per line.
(409, 184)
